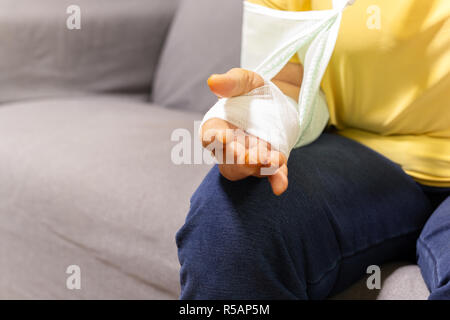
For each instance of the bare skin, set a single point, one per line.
(253, 152)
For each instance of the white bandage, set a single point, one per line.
(264, 112)
(270, 38)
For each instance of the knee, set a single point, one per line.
(227, 249)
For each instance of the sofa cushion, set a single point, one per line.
(399, 281)
(90, 182)
(205, 38)
(116, 49)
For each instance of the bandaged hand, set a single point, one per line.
(238, 153)
(256, 102)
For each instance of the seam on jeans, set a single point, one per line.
(433, 258)
(283, 235)
(358, 252)
(339, 244)
(295, 269)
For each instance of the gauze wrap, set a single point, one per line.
(269, 39)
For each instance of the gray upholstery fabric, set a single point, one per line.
(205, 38)
(116, 50)
(399, 281)
(90, 182)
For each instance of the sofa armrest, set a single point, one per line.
(115, 50)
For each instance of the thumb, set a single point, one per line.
(235, 82)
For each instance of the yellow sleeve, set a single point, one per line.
(286, 5)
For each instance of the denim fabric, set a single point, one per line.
(346, 207)
(433, 245)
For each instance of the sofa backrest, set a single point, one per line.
(44, 54)
(204, 38)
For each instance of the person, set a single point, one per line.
(373, 188)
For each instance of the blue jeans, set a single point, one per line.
(346, 207)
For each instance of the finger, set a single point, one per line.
(276, 160)
(214, 140)
(236, 151)
(279, 180)
(233, 172)
(243, 164)
(220, 146)
(235, 82)
(258, 155)
(210, 128)
(224, 136)
(208, 137)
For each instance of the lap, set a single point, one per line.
(346, 207)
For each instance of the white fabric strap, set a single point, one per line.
(269, 39)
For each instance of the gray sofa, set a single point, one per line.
(86, 118)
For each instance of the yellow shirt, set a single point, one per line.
(388, 81)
